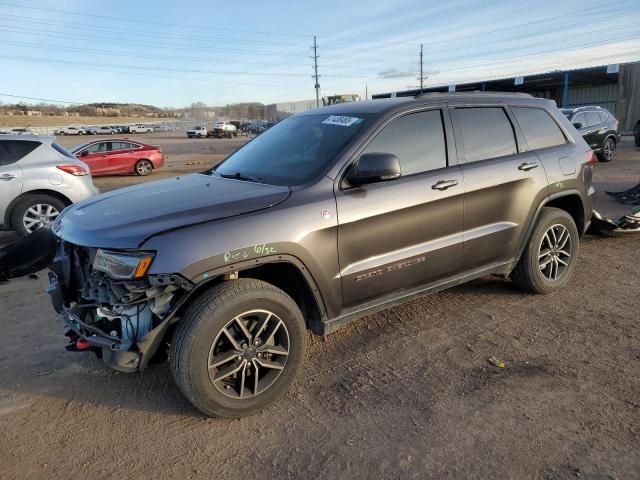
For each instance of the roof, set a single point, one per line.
(28, 136)
(585, 108)
(387, 104)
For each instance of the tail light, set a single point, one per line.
(75, 170)
(591, 158)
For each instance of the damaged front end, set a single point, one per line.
(110, 305)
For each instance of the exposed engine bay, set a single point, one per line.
(122, 321)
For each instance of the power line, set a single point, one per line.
(137, 42)
(509, 39)
(138, 21)
(125, 53)
(93, 28)
(42, 99)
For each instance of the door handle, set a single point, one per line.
(444, 184)
(8, 176)
(528, 166)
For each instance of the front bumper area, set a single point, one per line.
(122, 321)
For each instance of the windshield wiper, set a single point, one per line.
(241, 176)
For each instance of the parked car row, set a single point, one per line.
(110, 129)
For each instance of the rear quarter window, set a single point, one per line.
(538, 127)
(486, 133)
(18, 149)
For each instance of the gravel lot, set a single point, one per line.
(406, 393)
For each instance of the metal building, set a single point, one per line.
(614, 87)
(277, 111)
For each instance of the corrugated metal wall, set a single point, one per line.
(602, 95)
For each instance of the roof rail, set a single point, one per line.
(474, 92)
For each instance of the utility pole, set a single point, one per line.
(421, 78)
(315, 68)
(366, 92)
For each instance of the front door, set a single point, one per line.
(96, 156)
(406, 232)
(10, 179)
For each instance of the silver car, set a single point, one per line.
(38, 179)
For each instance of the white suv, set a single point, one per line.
(139, 129)
(197, 131)
(70, 131)
(38, 179)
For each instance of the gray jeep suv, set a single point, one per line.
(326, 217)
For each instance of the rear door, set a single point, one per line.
(407, 232)
(121, 158)
(501, 185)
(596, 129)
(10, 174)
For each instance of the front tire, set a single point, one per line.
(549, 259)
(608, 150)
(238, 348)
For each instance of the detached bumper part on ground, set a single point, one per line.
(624, 225)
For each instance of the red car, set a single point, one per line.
(109, 157)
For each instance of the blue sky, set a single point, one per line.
(171, 53)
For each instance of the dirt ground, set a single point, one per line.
(406, 393)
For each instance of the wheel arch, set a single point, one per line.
(570, 201)
(12, 205)
(288, 274)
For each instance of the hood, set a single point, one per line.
(125, 218)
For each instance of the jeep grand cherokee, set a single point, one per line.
(328, 216)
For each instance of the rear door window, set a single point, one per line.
(486, 133)
(593, 119)
(603, 117)
(416, 139)
(18, 149)
(539, 129)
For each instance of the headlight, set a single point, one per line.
(122, 266)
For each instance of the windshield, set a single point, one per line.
(295, 150)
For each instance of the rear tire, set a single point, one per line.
(608, 150)
(143, 168)
(35, 211)
(252, 369)
(549, 259)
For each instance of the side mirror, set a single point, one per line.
(84, 153)
(374, 168)
(578, 125)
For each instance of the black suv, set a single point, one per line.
(326, 217)
(598, 127)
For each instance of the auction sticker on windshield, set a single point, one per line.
(341, 120)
